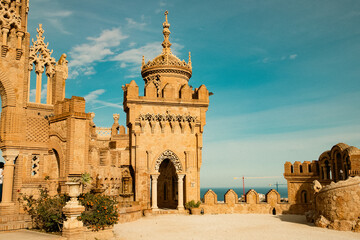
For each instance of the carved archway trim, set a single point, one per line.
(8, 97)
(168, 154)
(54, 143)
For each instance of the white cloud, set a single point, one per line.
(92, 99)
(293, 56)
(55, 19)
(94, 95)
(265, 155)
(132, 76)
(277, 59)
(84, 56)
(132, 58)
(131, 23)
(266, 60)
(62, 13)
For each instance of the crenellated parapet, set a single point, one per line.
(304, 169)
(73, 107)
(272, 203)
(184, 95)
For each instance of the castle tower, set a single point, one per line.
(165, 128)
(13, 48)
(24, 128)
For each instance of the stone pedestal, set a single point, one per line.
(73, 228)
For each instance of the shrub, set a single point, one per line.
(100, 211)
(192, 204)
(46, 212)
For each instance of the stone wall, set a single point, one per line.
(337, 206)
(252, 204)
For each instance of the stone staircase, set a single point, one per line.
(14, 222)
(163, 211)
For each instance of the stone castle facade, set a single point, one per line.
(339, 163)
(154, 161)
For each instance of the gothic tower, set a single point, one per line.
(24, 128)
(165, 128)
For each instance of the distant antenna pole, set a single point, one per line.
(243, 185)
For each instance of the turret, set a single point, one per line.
(166, 68)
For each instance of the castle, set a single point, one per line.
(151, 163)
(339, 163)
(154, 161)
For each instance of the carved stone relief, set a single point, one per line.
(168, 154)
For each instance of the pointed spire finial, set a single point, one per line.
(166, 13)
(166, 43)
(189, 63)
(143, 61)
(40, 30)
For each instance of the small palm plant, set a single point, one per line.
(85, 179)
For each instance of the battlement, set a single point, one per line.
(301, 169)
(252, 204)
(170, 93)
(74, 106)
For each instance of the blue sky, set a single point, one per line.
(285, 73)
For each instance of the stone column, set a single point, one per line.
(181, 191)
(5, 32)
(154, 178)
(38, 87)
(7, 204)
(49, 90)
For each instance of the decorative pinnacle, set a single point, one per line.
(40, 31)
(166, 43)
(143, 61)
(189, 63)
(166, 13)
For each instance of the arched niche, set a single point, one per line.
(7, 91)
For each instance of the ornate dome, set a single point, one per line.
(166, 62)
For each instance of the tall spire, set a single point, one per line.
(166, 43)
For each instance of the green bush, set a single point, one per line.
(46, 212)
(192, 204)
(100, 211)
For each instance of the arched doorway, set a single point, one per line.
(167, 182)
(167, 185)
(273, 211)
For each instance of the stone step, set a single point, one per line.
(169, 211)
(14, 217)
(15, 225)
(14, 222)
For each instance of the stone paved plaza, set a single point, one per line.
(227, 226)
